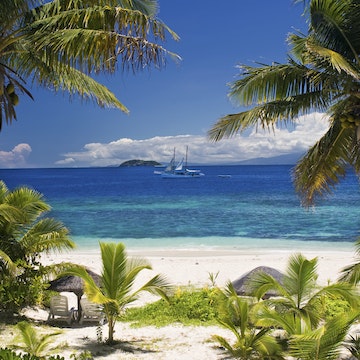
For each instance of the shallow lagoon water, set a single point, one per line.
(256, 207)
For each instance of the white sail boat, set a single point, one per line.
(180, 170)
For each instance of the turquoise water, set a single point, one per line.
(255, 208)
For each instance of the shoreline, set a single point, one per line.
(194, 265)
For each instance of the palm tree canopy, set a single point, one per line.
(61, 44)
(24, 231)
(299, 295)
(118, 276)
(322, 74)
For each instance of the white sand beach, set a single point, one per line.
(181, 268)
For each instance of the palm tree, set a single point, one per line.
(61, 43)
(33, 343)
(325, 342)
(251, 342)
(25, 233)
(298, 307)
(351, 273)
(119, 273)
(322, 74)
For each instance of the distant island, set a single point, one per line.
(137, 162)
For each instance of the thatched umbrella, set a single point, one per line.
(241, 284)
(74, 284)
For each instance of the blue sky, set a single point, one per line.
(173, 107)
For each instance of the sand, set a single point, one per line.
(182, 267)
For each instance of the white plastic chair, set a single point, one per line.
(91, 312)
(59, 309)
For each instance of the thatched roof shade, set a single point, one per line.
(74, 284)
(71, 283)
(243, 289)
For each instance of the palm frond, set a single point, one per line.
(34, 344)
(9, 264)
(333, 58)
(324, 164)
(157, 285)
(323, 343)
(269, 83)
(46, 235)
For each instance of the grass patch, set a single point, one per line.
(188, 306)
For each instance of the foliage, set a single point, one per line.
(333, 306)
(25, 289)
(324, 342)
(61, 44)
(119, 273)
(250, 342)
(351, 273)
(321, 74)
(188, 306)
(352, 344)
(33, 343)
(25, 233)
(8, 354)
(299, 306)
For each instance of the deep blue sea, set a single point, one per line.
(256, 207)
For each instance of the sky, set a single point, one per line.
(173, 107)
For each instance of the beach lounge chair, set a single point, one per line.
(91, 312)
(59, 309)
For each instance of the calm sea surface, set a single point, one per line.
(254, 208)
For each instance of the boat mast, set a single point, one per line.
(186, 154)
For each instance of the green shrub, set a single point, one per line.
(188, 306)
(8, 354)
(334, 307)
(22, 290)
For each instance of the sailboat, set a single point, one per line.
(180, 170)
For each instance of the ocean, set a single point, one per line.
(256, 207)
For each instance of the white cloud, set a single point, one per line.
(16, 157)
(259, 143)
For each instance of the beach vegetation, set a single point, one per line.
(118, 275)
(352, 344)
(251, 341)
(326, 342)
(60, 45)
(187, 306)
(305, 312)
(25, 234)
(351, 273)
(299, 305)
(9, 354)
(321, 75)
(32, 341)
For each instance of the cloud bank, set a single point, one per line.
(15, 158)
(256, 144)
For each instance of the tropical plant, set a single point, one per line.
(322, 74)
(298, 308)
(187, 306)
(25, 233)
(33, 343)
(59, 44)
(9, 354)
(352, 344)
(251, 342)
(351, 273)
(119, 273)
(325, 342)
